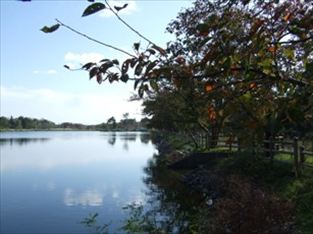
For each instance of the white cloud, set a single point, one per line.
(87, 198)
(81, 58)
(57, 106)
(45, 72)
(115, 194)
(130, 9)
(51, 71)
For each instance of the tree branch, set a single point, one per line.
(127, 25)
(94, 40)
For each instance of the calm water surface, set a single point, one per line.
(51, 181)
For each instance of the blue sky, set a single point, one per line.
(34, 82)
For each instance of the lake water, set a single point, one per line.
(51, 181)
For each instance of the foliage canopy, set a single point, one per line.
(234, 63)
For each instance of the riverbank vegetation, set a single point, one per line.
(25, 123)
(241, 193)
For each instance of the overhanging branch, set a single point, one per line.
(93, 39)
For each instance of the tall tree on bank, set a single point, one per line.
(253, 59)
(247, 64)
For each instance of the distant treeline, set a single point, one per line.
(111, 124)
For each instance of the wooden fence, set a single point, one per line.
(269, 147)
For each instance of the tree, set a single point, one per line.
(252, 55)
(126, 116)
(4, 123)
(247, 64)
(111, 123)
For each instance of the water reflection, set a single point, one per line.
(169, 207)
(112, 138)
(145, 138)
(126, 138)
(50, 187)
(21, 141)
(60, 150)
(87, 198)
(166, 207)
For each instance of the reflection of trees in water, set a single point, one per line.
(22, 141)
(126, 138)
(145, 138)
(169, 207)
(112, 138)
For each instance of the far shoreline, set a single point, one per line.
(71, 129)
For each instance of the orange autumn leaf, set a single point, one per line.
(209, 88)
(252, 85)
(272, 49)
(287, 17)
(211, 113)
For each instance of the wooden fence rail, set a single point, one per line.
(269, 147)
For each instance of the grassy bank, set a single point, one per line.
(279, 179)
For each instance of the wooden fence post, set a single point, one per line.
(302, 157)
(253, 147)
(296, 156)
(271, 149)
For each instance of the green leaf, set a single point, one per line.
(136, 46)
(124, 78)
(154, 85)
(151, 51)
(113, 77)
(99, 78)
(104, 67)
(141, 91)
(289, 53)
(203, 28)
(104, 60)
(117, 8)
(115, 61)
(93, 8)
(133, 62)
(267, 71)
(94, 71)
(151, 66)
(227, 63)
(266, 63)
(138, 69)
(125, 66)
(51, 29)
(87, 66)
